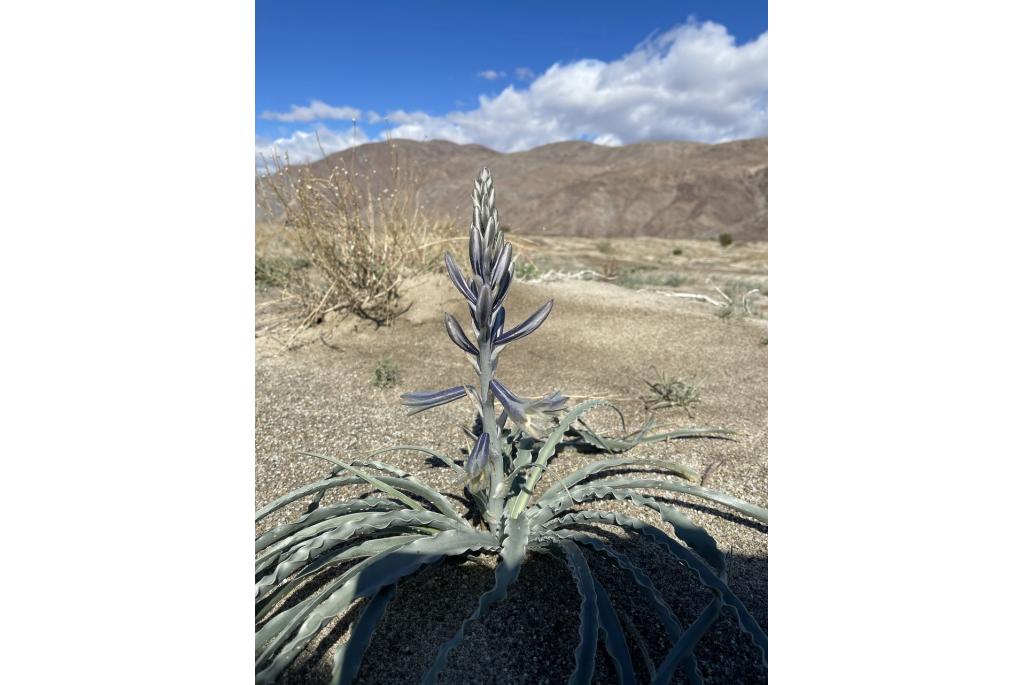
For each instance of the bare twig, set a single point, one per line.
(691, 296)
(553, 276)
(708, 471)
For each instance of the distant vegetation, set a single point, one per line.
(358, 246)
(385, 373)
(669, 391)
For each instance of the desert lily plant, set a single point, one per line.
(406, 525)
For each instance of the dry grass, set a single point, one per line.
(669, 391)
(353, 247)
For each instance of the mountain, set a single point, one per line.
(670, 189)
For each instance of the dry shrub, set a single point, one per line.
(361, 241)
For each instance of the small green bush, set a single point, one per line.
(604, 247)
(669, 391)
(676, 251)
(385, 373)
(526, 271)
(725, 239)
(276, 271)
(674, 280)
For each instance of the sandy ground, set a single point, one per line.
(600, 341)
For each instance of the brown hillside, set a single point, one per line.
(668, 189)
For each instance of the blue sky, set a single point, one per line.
(510, 76)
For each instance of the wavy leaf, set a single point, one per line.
(643, 581)
(393, 486)
(614, 639)
(370, 523)
(751, 510)
(545, 452)
(625, 444)
(513, 552)
(426, 450)
(685, 529)
(284, 624)
(596, 467)
(314, 488)
(586, 650)
(376, 572)
(350, 655)
(667, 617)
(272, 555)
(322, 514)
(705, 573)
(367, 548)
(682, 650)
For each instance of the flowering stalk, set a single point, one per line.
(492, 271)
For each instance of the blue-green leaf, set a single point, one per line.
(350, 655)
(586, 650)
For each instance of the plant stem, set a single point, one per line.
(496, 494)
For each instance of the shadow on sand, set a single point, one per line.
(530, 637)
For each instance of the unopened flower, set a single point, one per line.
(534, 416)
(478, 458)
(420, 401)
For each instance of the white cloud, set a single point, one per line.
(491, 74)
(302, 146)
(316, 111)
(524, 73)
(692, 82)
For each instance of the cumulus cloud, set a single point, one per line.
(316, 111)
(302, 146)
(692, 82)
(491, 74)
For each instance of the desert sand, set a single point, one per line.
(601, 340)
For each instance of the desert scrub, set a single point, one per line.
(668, 391)
(639, 277)
(277, 271)
(362, 241)
(317, 567)
(385, 373)
(526, 271)
(737, 302)
(725, 239)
